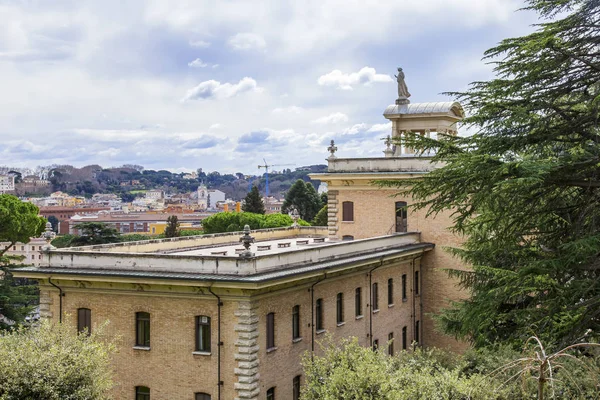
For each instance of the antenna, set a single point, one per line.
(266, 167)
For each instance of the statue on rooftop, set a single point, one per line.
(403, 92)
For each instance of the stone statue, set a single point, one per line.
(403, 92)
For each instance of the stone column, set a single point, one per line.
(45, 304)
(332, 211)
(246, 355)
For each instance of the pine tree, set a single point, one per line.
(172, 229)
(304, 198)
(253, 202)
(525, 188)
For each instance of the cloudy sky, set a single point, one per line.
(220, 85)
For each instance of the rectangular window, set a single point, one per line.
(375, 344)
(416, 282)
(296, 388)
(142, 330)
(358, 302)
(375, 299)
(404, 287)
(270, 330)
(417, 332)
(142, 393)
(391, 344)
(340, 308)
(271, 394)
(390, 291)
(347, 211)
(404, 338)
(203, 333)
(84, 320)
(202, 396)
(296, 322)
(319, 315)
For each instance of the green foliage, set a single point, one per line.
(172, 229)
(321, 217)
(136, 237)
(95, 233)
(19, 221)
(346, 370)
(63, 241)
(53, 362)
(253, 202)
(17, 298)
(303, 197)
(191, 232)
(525, 188)
(54, 222)
(234, 222)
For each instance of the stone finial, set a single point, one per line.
(295, 216)
(246, 240)
(49, 235)
(332, 149)
(389, 152)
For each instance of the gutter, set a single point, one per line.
(61, 294)
(219, 342)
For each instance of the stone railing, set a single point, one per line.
(382, 164)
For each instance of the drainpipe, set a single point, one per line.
(414, 310)
(219, 343)
(420, 304)
(312, 314)
(371, 302)
(60, 299)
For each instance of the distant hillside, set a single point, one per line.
(131, 180)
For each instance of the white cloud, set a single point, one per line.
(197, 63)
(334, 118)
(215, 89)
(365, 76)
(387, 127)
(199, 44)
(215, 126)
(247, 41)
(288, 110)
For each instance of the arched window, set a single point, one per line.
(203, 333)
(142, 393)
(202, 396)
(347, 211)
(84, 320)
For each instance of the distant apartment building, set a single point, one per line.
(155, 194)
(31, 252)
(149, 223)
(272, 205)
(7, 183)
(63, 214)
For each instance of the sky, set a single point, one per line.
(181, 85)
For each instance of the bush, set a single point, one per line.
(234, 222)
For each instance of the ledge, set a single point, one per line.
(201, 353)
(375, 311)
(390, 305)
(297, 340)
(341, 323)
(271, 349)
(144, 348)
(321, 331)
(360, 317)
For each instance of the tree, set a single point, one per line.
(172, 229)
(525, 188)
(53, 362)
(95, 233)
(253, 202)
(321, 217)
(304, 198)
(54, 222)
(234, 222)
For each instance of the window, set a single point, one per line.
(203, 333)
(416, 282)
(347, 211)
(142, 330)
(391, 344)
(358, 302)
(296, 322)
(375, 299)
(319, 315)
(417, 331)
(375, 344)
(33, 256)
(347, 237)
(142, 393)
(84, 320)
(340, 308)
(404, 338)
(270, 330)
(22, 248)
(296, 388)
(404, 287)
(401, 217)
(271, 394)
(390, 291)
(202, 396)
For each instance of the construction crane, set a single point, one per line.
(266, 167)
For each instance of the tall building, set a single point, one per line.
(7, 183)
(228, 316)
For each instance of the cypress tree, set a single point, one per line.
(253, 202)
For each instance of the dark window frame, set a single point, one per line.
(296, 388)
(142, 393)
(358, 302)
(375, 296)
(84, 321)
(319, 326)
(417, 332)
(404, 338)
(404, 298)
(375, 344)
(142, 329)
(339, 308)
(270, 330)
(203, 333)
(296, 333)
(271, 393)
(348, 211)
(417, 283)
(391, 343)
(202, 396)
(390, 293)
